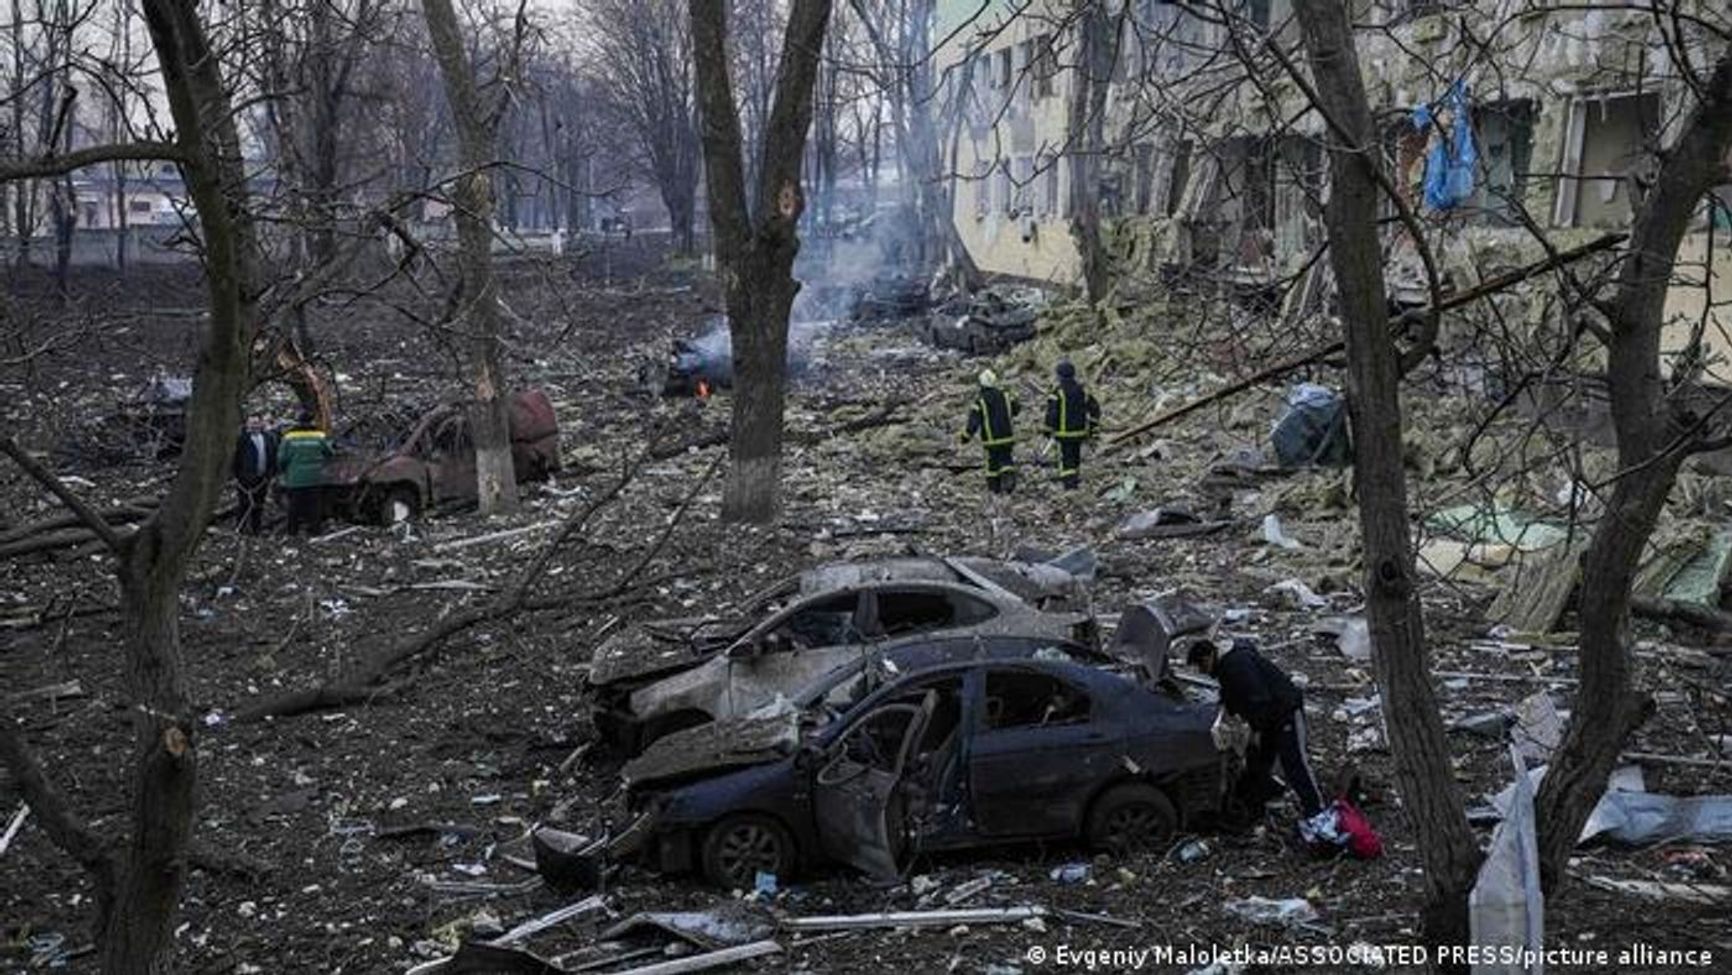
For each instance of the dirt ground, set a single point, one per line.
(336, 837)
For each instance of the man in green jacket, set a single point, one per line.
(301, 458)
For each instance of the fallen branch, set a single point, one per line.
(92, 518)
(1279, 369)
(360, 685)
(1674, 611)
(53, 812)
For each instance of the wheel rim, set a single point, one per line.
(1133, 829)
(747, 850)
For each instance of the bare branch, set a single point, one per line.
(90, 516)
(59, 165)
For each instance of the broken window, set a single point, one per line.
(1006, 194)
(1021, 699)
(1045, 66)
(1023, 177)
(826, 622)
(1506, 136)
(1609, 147)
(982, 195)
(452, 436)
(916, 611)
(1145, 163)
(1178, 174)
(1002, 71)
(1049, 199)
(876, 742)
(139, 206)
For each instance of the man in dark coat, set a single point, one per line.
(255, 464)
(1264, 696)
(990, 417)
(1072, 416)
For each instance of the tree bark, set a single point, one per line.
(756, 249)
(1651, 446)
(472, 196)
(153, 561)
(1091, 78)
(1429, 794)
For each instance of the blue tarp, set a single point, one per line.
(1449, 166)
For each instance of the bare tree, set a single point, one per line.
(1656, 433)
(477, 127)
(756, 242)
(644, 55)
(139, 883)
(1429, 794)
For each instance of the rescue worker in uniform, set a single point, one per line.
(301, 457)
(1072, 416)
(990, 417)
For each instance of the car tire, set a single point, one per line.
(742, 846)
(1131, 818)
(398, 503)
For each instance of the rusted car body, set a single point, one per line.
(951, 757)
(435, 461)
(674, 674)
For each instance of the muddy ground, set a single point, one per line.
(472, 741)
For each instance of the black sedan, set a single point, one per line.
(962, 755)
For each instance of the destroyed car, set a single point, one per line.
(706, 362)
(986, 324)
(435, 462)
(889, 298)
(953, 757)
(769, 732)
(674, 674)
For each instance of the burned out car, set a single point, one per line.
(435, 461)
(985, 324)
(674, 674)
(952, 757)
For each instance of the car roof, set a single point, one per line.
(1099, 682)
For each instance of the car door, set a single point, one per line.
(453, 459)
(854, 787)
(1037, 752)
(789, 651)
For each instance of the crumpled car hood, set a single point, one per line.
(658, 646)
(716, 747)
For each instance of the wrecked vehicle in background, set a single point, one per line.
(706, 363)
(889, 298)
(435, 462)
(671, 674)
(952, 757)
(987, 323)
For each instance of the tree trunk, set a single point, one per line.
(1607, 710)
(1088, 141)
(166, 764)
(1429, 794)
(756, 247)
(495, 481)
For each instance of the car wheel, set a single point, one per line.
(739, 848)
(400, 502)
(1132, 818)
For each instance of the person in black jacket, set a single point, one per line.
(255, 464)
(990, 416)
(1264, 696)
(1072, 416)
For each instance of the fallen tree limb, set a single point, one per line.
(54, 814)
(1279, 369)
(1674, 611)
(42, 475)
(362, 683)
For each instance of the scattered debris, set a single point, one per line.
(914, 919)
(1287, 913)
(1506, 907)
(1351, 635)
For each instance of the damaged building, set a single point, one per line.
(1214, 174)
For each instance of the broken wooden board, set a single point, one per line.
(1537, 589)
